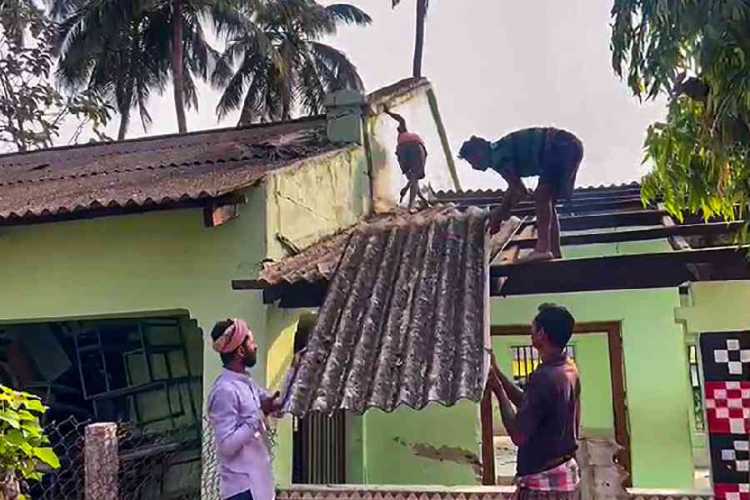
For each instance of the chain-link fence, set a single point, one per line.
(164, 466)
(67, 438)
(159, 466)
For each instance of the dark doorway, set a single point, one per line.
(319, 441)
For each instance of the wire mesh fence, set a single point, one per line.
(159, 466)
(67, 438)
(173, 465)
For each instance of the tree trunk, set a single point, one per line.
(178, 70)
(419, 43)
(124, 120)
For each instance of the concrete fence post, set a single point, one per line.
(601, 477)
(102, 462)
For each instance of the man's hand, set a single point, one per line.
(271, 404)
(493, 365)
(497, 216)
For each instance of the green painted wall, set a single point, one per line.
(715, 307)
(305, 205)
(355, 450)
(168, 262)
(139, 265)
(655, 371)
(592, 359)
(610, 249)
(162, 261)
(436, 445)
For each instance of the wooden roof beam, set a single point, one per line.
(608, 220)
(670, 232)
(621, 272)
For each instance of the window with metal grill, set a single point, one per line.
(526, 359)
(696, 388)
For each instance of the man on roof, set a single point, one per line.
(553, 155)
(412, 156)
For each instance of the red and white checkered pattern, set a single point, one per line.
(563, 478)
(728, 407)
(732, 491)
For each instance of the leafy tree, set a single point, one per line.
(24, 449)
(279, 62)
(14, 17)
(32, 110)
(697, 54)
(422, 6)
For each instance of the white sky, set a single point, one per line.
(496, 65)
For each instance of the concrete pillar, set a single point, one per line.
(344, 111)
(102, 462)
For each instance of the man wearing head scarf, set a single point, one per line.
(412, 157)
(237, 409)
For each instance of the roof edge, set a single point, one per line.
(97, 210)
(149, 138)
(479, 193)
(397, 90)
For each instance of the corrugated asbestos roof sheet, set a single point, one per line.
(485, 193)
(405, 319)
(153, 171)
(315, 263)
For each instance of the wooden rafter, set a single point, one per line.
(672, 231)
(619, 272)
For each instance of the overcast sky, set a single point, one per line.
(496, 65)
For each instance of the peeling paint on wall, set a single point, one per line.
(456, 455)
(314, 201)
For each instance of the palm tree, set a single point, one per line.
(191, 54)
(127, 48)
(115, 48)
(422, 6)
(281, 64)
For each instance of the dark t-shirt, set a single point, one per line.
(548, 416)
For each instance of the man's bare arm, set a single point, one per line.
(508, 412)
(516, 192)
(399, 119)
(514, 392)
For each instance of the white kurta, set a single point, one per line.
(241, 447)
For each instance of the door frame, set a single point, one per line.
(613, 329)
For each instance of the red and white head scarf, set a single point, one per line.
(233, 337)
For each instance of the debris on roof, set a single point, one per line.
(155, 171)
(404, 321)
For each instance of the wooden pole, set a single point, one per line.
(101, 462)
(488, 445)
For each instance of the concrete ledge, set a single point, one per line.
(419, 492)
